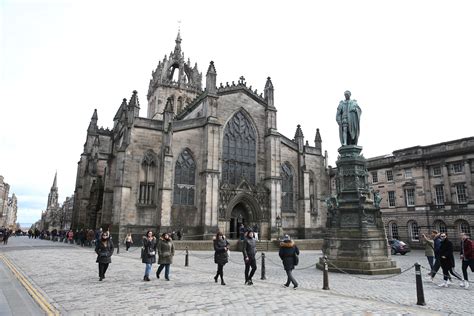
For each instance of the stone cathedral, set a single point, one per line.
(203, 159)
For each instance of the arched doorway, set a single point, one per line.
(239, 216)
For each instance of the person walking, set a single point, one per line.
(165, 255)
(104, 250)
(435, 236)
(148, 253)
(467, 257)
(129, 241)
(289, 256)
(447, 259)
(221, 255)
(6, 235)
(249, 250)
(429, 250)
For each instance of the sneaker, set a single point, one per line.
(285, 285)
(466, 284)
(444, 284)
(450, 282)
(249, 282)
(294, 287)
(462, 283)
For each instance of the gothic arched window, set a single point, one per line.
(286, 188)
(184, 179)
(239, 151)
(147, 179)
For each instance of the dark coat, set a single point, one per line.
(149, 246)
(165, 251)
(221, 255)
(104, 252)
(287, 253)
(446, 251)
(249, 248)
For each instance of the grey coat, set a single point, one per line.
(165, 251)
(104, 252)
(249, 248)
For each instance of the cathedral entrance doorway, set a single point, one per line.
(239, 216)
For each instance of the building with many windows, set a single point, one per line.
(202, 159)
(425, 188)
(8, 206)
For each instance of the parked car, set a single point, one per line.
(398, 246)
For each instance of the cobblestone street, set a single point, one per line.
(67, 277)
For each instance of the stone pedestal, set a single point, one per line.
(355, 240)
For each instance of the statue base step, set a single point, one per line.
(360, 267)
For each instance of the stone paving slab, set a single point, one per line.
(67, 275)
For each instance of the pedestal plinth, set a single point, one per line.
(355, 240)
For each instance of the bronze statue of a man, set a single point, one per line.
(348, 118)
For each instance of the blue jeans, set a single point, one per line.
(148, 268)
(167, 270)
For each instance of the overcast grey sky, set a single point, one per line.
(409, 64)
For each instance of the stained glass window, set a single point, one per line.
(184, 179)
(239, 151)
(146, 193)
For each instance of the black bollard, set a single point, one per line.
(420, 296)
(325, 274)
(118, 248)
(263, 267)
(186, 258)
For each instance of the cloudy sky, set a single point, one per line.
(409, 64)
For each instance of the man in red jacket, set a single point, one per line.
(467, 257)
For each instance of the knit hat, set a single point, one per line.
(286, 237)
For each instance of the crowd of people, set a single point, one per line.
(439, 251)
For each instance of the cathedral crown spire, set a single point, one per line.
(177, 48)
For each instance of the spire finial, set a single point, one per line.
(299, 132)
(55, 182)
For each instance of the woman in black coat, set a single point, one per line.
(104, 250)
(447, 259)
(288, 254)
(221, 255)
(148, 253)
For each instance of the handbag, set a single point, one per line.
(296, 259)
